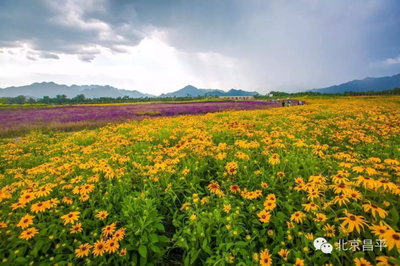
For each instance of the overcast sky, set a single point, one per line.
(157, 46)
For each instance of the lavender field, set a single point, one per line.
(15, 121)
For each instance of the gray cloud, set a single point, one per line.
(280, 44)
(31, 57)
(61, 26)
(87, 57)
(49, 56)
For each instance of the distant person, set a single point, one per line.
(283, 104)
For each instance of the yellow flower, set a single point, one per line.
(83, 250)
(119, 234)
(70, 217)
(213, 187)
(281, 174)
(374, 210)
(25, 221)
(299, 262)
(264, 216)
(88, 188)
(310, 206)
(77, 228)
(234, 188)
(40, 206)
(29, 233)
(265, 258)
(255, 257)
(329, 230)
(297, 217)
(284, 253)
(379, 230)
(310, 236)
(274, 159)
(269, 205)
(84, 197)
(231, 168)
(109, 229)
(99, 248)
(102, 215)
(67, 200)
(361, 262)
(43, 191)
(185, 206)
(26, 197)
(122, 252)
(227, 208)
(392, 239)
(320, 217)
(112, 245)
(352, 221)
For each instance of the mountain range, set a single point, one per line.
(367, 84)
(191, 91)
(51, 89)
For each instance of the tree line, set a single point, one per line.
(81, 99)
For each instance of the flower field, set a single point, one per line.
(17, 120)
(236, 187)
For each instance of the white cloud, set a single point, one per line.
(392, 61)
(152, 66)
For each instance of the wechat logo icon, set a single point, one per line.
(322, 244)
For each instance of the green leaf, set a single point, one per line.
(155, 249)
(143, 251)
(21, 261)
(206, 247)
(153, 238)
(240, 244)
(395, 215)
(160, 227)
(194, 256)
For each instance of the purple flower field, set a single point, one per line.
(17, 120)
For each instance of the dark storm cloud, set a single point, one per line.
(61, 27)
(283, 43)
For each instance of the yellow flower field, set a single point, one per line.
(239, 187)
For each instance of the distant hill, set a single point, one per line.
(51, 89)
(191, 91)
(367, 84)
